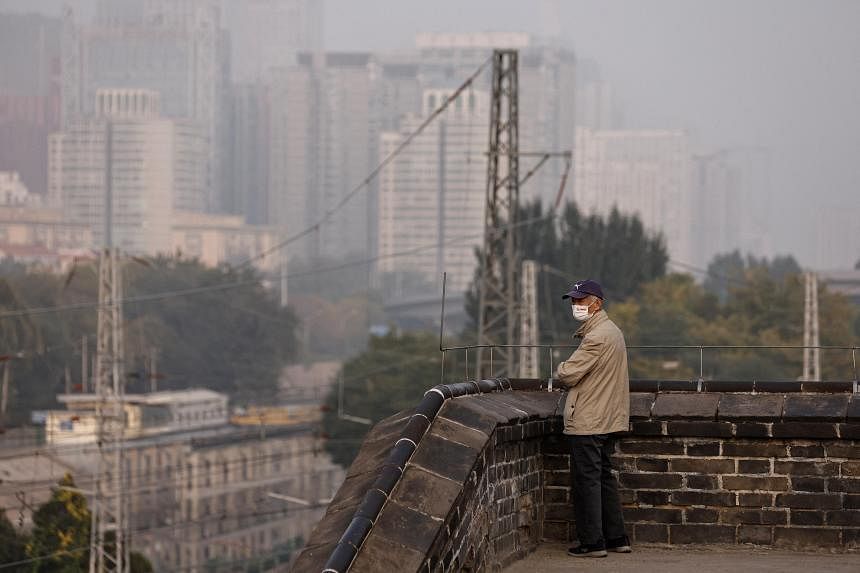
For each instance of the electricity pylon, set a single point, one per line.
(499, 298)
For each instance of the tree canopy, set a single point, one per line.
(614, 250)
(234, 340)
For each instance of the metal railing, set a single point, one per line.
(701, 348)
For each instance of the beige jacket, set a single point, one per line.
(598, 397)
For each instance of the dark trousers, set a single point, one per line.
(596, 505)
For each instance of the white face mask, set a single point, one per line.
(580, 312)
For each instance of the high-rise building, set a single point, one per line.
(431, 198)
(148, 163)
(595, 98)
(325, 118)
(837, 235)
(29, 95)
(646, 172)
(269, 34)
(547, 92)
(173, 47)
(435, 191)
(246, 189)
(731, 195)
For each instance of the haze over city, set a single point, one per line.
(781, 76)
(297, 285)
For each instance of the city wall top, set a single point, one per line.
(478, 474)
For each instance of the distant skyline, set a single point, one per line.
(779, 74)
(783, 75)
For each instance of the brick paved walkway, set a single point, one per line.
(550, 558)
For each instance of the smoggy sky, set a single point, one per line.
(778, 74)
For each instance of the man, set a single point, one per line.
(597, 406)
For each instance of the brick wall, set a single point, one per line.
(485, 477)
(689, 473)
(469, 499)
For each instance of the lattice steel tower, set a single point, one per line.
(500, 266)
(109, 543)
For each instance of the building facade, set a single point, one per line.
(217, 239)
(204, 493)
(269, 34)
(173, 47)
(731, 198)
(431, 198)
(325, 119)
(642, 172)
(127, 153)
(29, 95)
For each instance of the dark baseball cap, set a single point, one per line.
(582, 289)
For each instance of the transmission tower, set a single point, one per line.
(499, 285)
(109, 543)
(529, 365)
(811, 356)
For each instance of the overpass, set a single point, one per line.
(477, 476)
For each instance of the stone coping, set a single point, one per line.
(669, 410)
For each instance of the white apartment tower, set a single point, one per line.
(431, 198)
(324, 132)
(643, 172)
(149, 164)
(173, 47)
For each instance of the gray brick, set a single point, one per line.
(757, 407)
(686, 406)
(816, 407)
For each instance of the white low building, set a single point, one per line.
(145, 415)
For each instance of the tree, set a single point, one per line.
(390, 376)
(60, 540)
(234, 340)
(728, 269)
(13, 545)
(761, 307)
(615, 250)
(61, 532)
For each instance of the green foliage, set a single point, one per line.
(760, 307)
(615, 250)
(234, 340)
(61, 532)
(730, 269)
(13, 545)
(391, 376)
(60, 539)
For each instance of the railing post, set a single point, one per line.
(442, 377)
(491, 361)
(701, 363)
(854, 363)
(549, 374)
(467, 363)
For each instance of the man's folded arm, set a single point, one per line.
(573, 370)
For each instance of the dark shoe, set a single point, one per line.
(619, 545)
(587, 551)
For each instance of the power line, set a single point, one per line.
(235, 284)
(375, 171)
